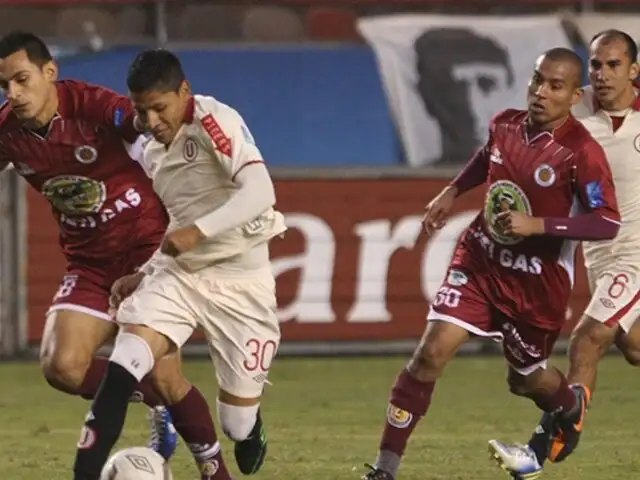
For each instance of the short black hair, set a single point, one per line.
(156, 69)
(35, 48)
(613, 34)
(562, 54)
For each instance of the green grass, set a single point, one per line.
(324, 418)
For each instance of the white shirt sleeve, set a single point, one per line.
(254, 195)
(231, 139)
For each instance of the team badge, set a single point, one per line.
(86, 154)
(544, 175)
(504, 196)
(398, 417)
(636, 143)
(190, 149)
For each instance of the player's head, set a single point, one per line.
(556, 85)
(160, 92)
(613, 68)
(27, 74)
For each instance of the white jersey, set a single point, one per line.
(194, 176)
(622, 148)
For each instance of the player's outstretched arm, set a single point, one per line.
(254, 196)
(596, 193)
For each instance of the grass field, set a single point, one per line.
(324, 418)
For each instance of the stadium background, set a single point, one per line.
(363, 109)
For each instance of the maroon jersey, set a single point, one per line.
(102, 198)
(553, 175)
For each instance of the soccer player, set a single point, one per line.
(548, 184)
(609, 110)
(213, 269)
(67, 139)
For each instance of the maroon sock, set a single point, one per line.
(144, 391)
(562, 400)
(193, 421)
(409, 402)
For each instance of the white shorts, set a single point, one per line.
(236, 312)
(615, 296)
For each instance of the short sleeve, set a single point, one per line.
(114, 111)
(594, 182)
(234, 145)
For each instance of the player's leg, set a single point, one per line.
(77, 325)
(458, 311)
(136, 349)
(190, 412)
(628, 342)
(244, 334)
(157, 319)
(613, 307)
(527, 348)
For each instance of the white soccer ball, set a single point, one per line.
(137, 463)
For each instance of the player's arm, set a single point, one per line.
(474, 173)
(241, 159)
(596, 193)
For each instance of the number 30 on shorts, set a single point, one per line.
(260, 354)
(447, 296)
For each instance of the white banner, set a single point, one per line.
(589, 24)
(446, 76)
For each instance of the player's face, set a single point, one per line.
(162, 112)
(25, 85)
(553, 90)
(611, 73)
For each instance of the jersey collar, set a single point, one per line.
(190, 111)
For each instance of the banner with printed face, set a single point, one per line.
(446, 76)
(354, 265)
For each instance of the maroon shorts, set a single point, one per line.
(86, 284)
(465, 299)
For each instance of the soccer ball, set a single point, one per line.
(137, 463)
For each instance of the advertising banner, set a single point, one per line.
(447, 76)
(354, 265)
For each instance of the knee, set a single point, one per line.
(631, 355)
(134, 354)
(237, 422)
(428, 361)
(64, 370)
(518, 384)
(589, 340)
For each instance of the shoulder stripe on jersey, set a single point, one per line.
(220, 140)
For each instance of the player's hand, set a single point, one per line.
(520, 224)
(123, 287)
(181, 240)
(437, 211)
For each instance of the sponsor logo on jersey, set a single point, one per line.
(190, 149)
(496, 156)
(74, 194)
(504, 196)
(219, 138)
(86, 154)
(545, 175)
(595, 197)
(636, 143)
(457, 278)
